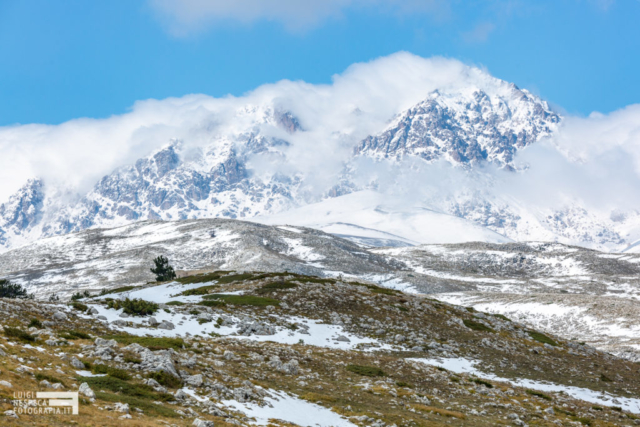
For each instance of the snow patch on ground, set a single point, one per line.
(282, 406)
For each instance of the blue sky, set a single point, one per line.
(65, 59)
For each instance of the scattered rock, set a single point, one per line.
(59, 316)
(86, 391)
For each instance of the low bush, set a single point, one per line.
(476, 326)
(79, 306)
(175, 303)
(201, 278)
(481, 382)
(166, 380)
(112, 372)
(35, 323)
(117, 290)
(19, 334)
(605, 378)
(134, 307)
(542, 338)
(539, 394)
(78, 295)
(367, 371)
(243, 300)
(204, 290)
(75, 335)
(501, 316)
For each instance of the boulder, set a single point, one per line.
(198, 422)
(194, 380)
(76, 363)
(59, 316)
(86, 391)
(166, 325)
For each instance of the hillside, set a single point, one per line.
(283, 349)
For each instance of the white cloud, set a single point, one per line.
(184, 17)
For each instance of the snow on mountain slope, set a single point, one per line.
(375, 219)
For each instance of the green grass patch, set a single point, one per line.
(132, 359)
(476, 326)
(19, 334)
(152, 343)
(236, 278)
(149, 408)
(243, 300)
(367, 371)
(201, 278)
(134, 307)
(112, 372)
(175, 303)
(539, 394)
(481, 382)
(202, 321)
(403, 384)
(165, 379)
(542, 338)
(35, 323)
(502, 316)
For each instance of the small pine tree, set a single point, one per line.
(163, 270)
(13, 290)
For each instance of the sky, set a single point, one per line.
(73, 58)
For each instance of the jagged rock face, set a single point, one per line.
(465, 128)
(23, 209)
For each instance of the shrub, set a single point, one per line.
(13, 290)
(542, 338)
(502, 316)
(112, 372)
(134, 307)
(19, 334)
(35, 323)
(166, 380)
(175, 303)
(368, 371)
(79, 306)
(605, 378)
(476, 326)
(163, 270)
(243, 300)
(79, 295)
(539, 394)
(74, 335)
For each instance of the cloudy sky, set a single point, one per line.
(62, 60)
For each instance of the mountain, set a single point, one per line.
(482, 120)
(467, 127)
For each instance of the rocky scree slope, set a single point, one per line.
(290, 349)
